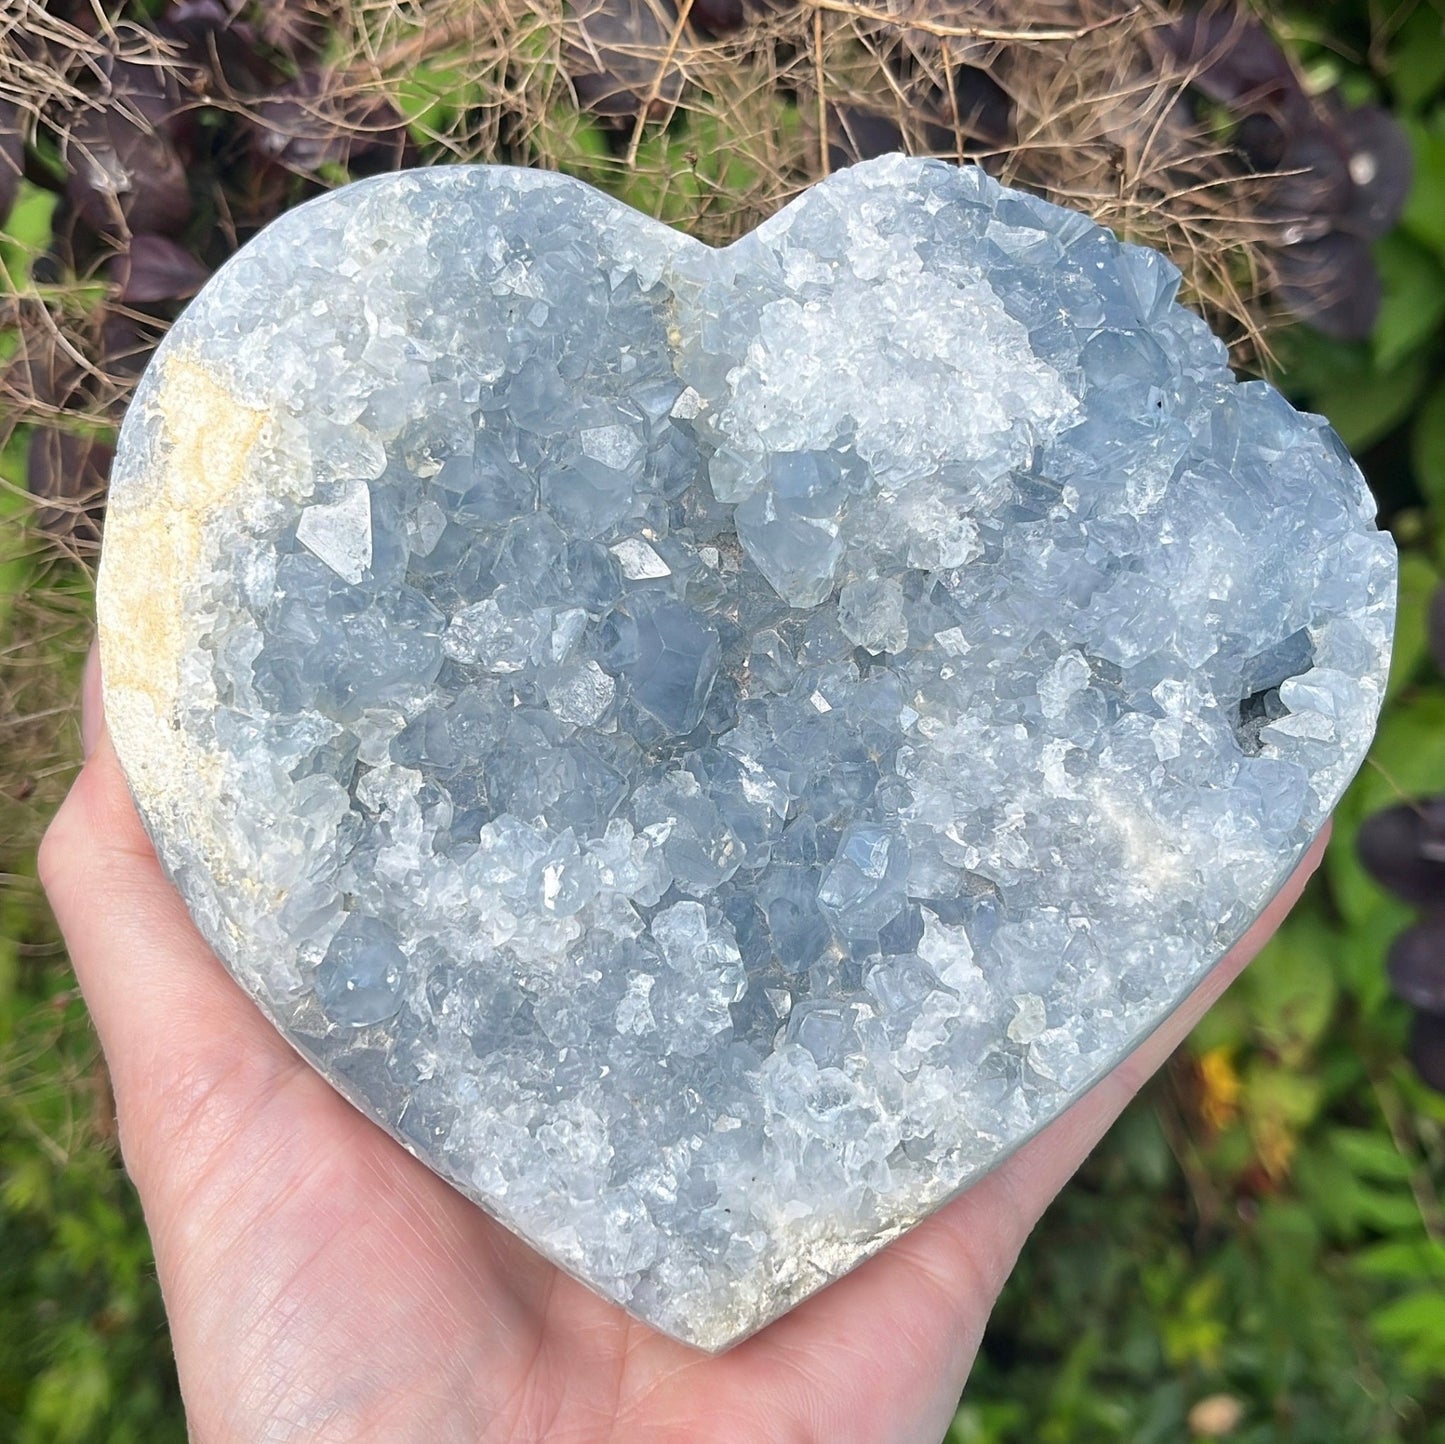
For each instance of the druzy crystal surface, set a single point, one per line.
(714, 748)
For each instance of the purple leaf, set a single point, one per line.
(306, 124)
(151, 93)
(223, 48)
(719, 16)
(69, 473)
(1381, 166)
(860, 135)
(1426, 1049)
(1261, 140)
(154, 268)
(1416, 965)
(124, 178)
(1403, 849)
(125, 157)
(982, 108)
(1331, 282)
(1313, 189)
(1234, 60)
(41, 368)
(613, 51)
(127, 342)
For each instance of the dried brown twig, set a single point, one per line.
(1039, 35)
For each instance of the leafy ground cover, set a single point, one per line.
(1257, 1252)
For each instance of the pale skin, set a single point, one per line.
(322, 1285)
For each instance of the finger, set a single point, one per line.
(92, 707)
(273, 1205)
(188, 1053)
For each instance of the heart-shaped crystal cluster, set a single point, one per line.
(713, 748)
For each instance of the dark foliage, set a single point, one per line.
(1417, 965)
(613, 59)
(1338, 177)
(180, 143)
(1427, 1048)
(154, 268)
(1403, 849)
(1333, 177)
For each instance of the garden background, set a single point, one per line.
(1257, 1251)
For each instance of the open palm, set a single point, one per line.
(321, 1284)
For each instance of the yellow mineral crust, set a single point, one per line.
(155, 550)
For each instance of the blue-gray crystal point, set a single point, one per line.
(714, 749)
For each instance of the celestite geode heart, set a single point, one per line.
(712, 749)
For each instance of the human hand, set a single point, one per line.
(323, 1285)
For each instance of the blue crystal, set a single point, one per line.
(669, 657)
(864, 888)
(362, 977)
(796, 925)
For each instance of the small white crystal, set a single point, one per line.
(688, 404)
(639, 562)
(340, 531)
(614, 446)
(582, 694)
(1029, 1020)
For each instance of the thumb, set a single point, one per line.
(186, 1049)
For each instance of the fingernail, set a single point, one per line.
(90, 707)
